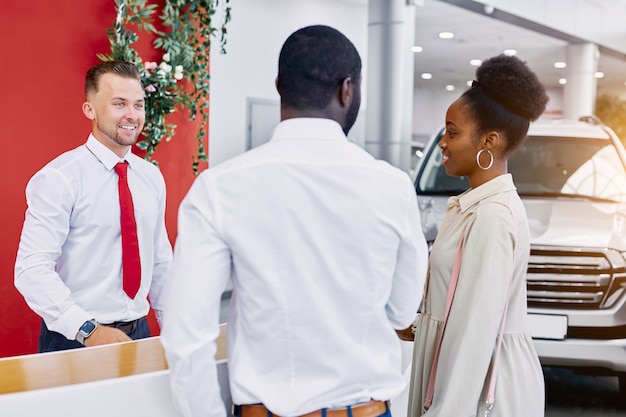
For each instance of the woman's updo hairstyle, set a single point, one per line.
(506, 97)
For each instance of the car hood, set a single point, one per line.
(552, 221)
(576, 222)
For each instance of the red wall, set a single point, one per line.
(45, 49)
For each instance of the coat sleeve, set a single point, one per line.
(476, 313)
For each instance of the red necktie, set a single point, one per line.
(131, 266)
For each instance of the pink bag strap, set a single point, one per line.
(454, 278)
(491, 393)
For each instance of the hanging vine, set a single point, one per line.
(181, 79)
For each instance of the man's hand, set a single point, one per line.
(406, 334)
(104, 335)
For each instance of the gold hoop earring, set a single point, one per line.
(478, 159)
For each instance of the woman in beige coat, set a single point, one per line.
(489, 225)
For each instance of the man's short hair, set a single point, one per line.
(312, 63)
(120, 68)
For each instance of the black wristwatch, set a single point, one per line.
(86, 330)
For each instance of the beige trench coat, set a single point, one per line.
(495, 255)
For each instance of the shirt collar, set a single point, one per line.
(494, 186)
(107, 157)
(308, 128)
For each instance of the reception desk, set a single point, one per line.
(126, 379)
(123, 380)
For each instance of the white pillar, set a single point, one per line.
(579, 93)
(406, 138)
(388, 132)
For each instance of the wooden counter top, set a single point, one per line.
(77, 366)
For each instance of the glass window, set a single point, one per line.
(555, 166)
(545, 166)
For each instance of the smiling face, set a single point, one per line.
(117, 112)
(459, 144)
(462, 141)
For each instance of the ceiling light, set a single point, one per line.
(562, 81)
(560, 64)
(599, 74)
(417, 49)
(446, 35)
(449, 87)
(476, 62)
(427, 76)
(510, 52)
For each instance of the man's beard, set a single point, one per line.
(114, 135)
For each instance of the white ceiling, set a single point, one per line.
(478, 36)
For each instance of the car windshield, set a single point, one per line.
(545, 166)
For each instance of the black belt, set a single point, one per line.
(126, 326)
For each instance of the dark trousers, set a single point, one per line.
(50, 341)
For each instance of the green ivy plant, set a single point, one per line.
(181, 79)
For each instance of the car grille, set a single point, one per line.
(581, 279)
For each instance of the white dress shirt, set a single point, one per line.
(327, 257)
(69, 261)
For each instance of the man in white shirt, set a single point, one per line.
(325, 250)
(69, 265)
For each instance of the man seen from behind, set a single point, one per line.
(325, 250)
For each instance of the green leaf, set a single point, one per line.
(188, 41)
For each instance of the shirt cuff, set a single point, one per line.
(70, 321)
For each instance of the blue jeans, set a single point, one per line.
(50, 341)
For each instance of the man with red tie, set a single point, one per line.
(94, 245)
